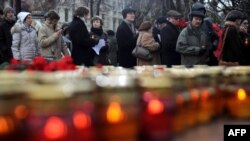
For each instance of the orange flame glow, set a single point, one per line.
(114, 113)
(194, 94)
(21, 112)
(155, 106)
(241, 94)
(81, 120)
(204, 95)
(55, 128)
(6, 125)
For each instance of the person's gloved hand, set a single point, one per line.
(202, 51)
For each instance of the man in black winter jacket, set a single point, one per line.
(5, 35)
(169, 36)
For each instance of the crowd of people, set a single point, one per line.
(170, 40)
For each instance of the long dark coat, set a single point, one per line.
(126, 41)
(82, 52)
(5, 41)
(232, 50)
(169, 36)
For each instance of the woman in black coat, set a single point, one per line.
(126, 39)
(232, 51)
(82, 52)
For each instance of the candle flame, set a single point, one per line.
(21, 112)
(204, 95)
(115, 113)
(6, 125)
(55, 128)
(81, 120)
(241, 94)
(155, 106)
(194, 94)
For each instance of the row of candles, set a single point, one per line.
(115, 104)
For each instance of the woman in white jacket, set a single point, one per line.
(24, 38)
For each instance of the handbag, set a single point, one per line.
(141, 52)
(225, 63)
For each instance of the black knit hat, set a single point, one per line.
(161, 20)
(8, 9)
(126, 11)
(234, 15)
(197, 14)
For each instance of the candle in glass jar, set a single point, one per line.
(157, 106)
(239, 104)
(13, 108)
(118, 108)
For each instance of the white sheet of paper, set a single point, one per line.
(98, 47)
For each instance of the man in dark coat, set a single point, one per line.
(82, 52)
(159, 24)
(126, 39)
(5, 35)
(169, 36)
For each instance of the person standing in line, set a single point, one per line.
(82, 52)
(245, 39)
(191, 43)
(9, 20)
(169, 36)
(159, 24)
(126, 39)
(212, 38)
(24, 43)
(113, 48)
(146, 39)
(50, 38)
(232, 52)
(99, 35)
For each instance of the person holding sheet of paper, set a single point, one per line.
(101, 49)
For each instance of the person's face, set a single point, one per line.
(130, 17)
(244, 24)
(173, 20)
(86, 17)
(10, 15)
(196, 21)
(28, 20)
(54, 22)
(96, 23)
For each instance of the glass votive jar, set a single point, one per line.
(50, 117)
(83, 109)
(118, 108)
(206, 92)
(238, 97)
(157, 106)
(184, 87)
(13, 109)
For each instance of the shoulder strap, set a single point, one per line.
(223, 41)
